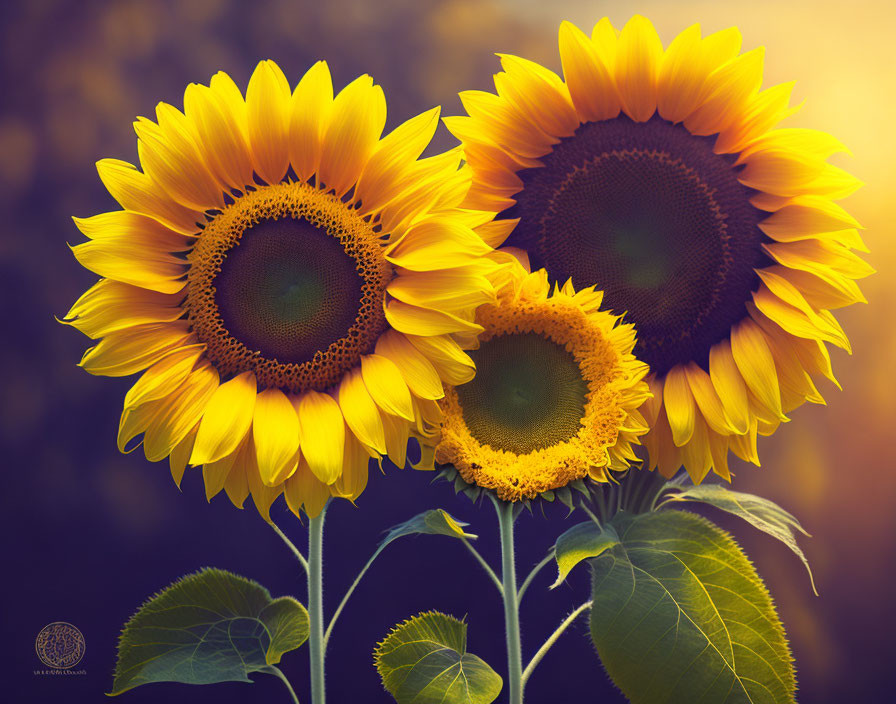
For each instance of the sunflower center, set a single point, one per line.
(288, 282)
(651, 215)
(288, 289)
(528, 393)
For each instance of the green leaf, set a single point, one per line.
(579, 543)
(211, 626)
(424, 660)
(761, 513)
(432, 522)
(680, 615)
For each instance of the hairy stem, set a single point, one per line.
(348, 594)
(511, 602)
(316, 607)
(295, 551)
(533, 663)
(535, 570)
(488, 570)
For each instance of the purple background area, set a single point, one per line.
(89, 533)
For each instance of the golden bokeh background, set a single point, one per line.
(76, 74)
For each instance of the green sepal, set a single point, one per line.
(680, 615)
(210, 626)
(424, 660)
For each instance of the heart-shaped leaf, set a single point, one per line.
(680, 615)
(424, 660)
(211, 626)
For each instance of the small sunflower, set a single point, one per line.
(289, 281)
(556, 393)
(658, 176)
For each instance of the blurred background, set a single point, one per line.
(89, 534)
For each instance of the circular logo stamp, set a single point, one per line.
(60, 645)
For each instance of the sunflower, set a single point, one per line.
(556, 393)
(659, 176)
(289, 281)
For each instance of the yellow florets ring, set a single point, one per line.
(553, 398)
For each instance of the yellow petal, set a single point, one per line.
(423, 321)
(386, 385)
(179, 412)
(590, 84)
(695, 454)
(718, 450)
(806, 216)
(356, 123)
(361, 414)
(606, 42)
(323, 434)
(263, 496)
(538, 94)
(452, 290)
(679, 405)
(218, 135)
(133, 249)
(762, 112)
(744, 446)
(132, 350)
(731, 88)
(268, 103)
(312, 101)
(305, 491)
(177, 460)
(163, 377)
(729, 385)
(757, 365)
(214, 474)
(236, 485)
(169, 156)
(681, 76)
(398, 433)
(275, 432)
(668, 457)
(419, 373)
(708, 402)
(453, 364)
(226, 421)
(389, 170)
(437, 243)
(353, 480)
(135, 191)
(637, 62)
(779, 172)
(787, 292)
(110, 306)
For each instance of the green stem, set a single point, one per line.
(551, 640)
(348, 593)
(481, 560)
(277, 672)
(316, 606)
(511, 602)
(535, 570)
(295, 551)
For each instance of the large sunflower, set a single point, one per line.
(658, 176)
(556, 393)
(289, 281)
